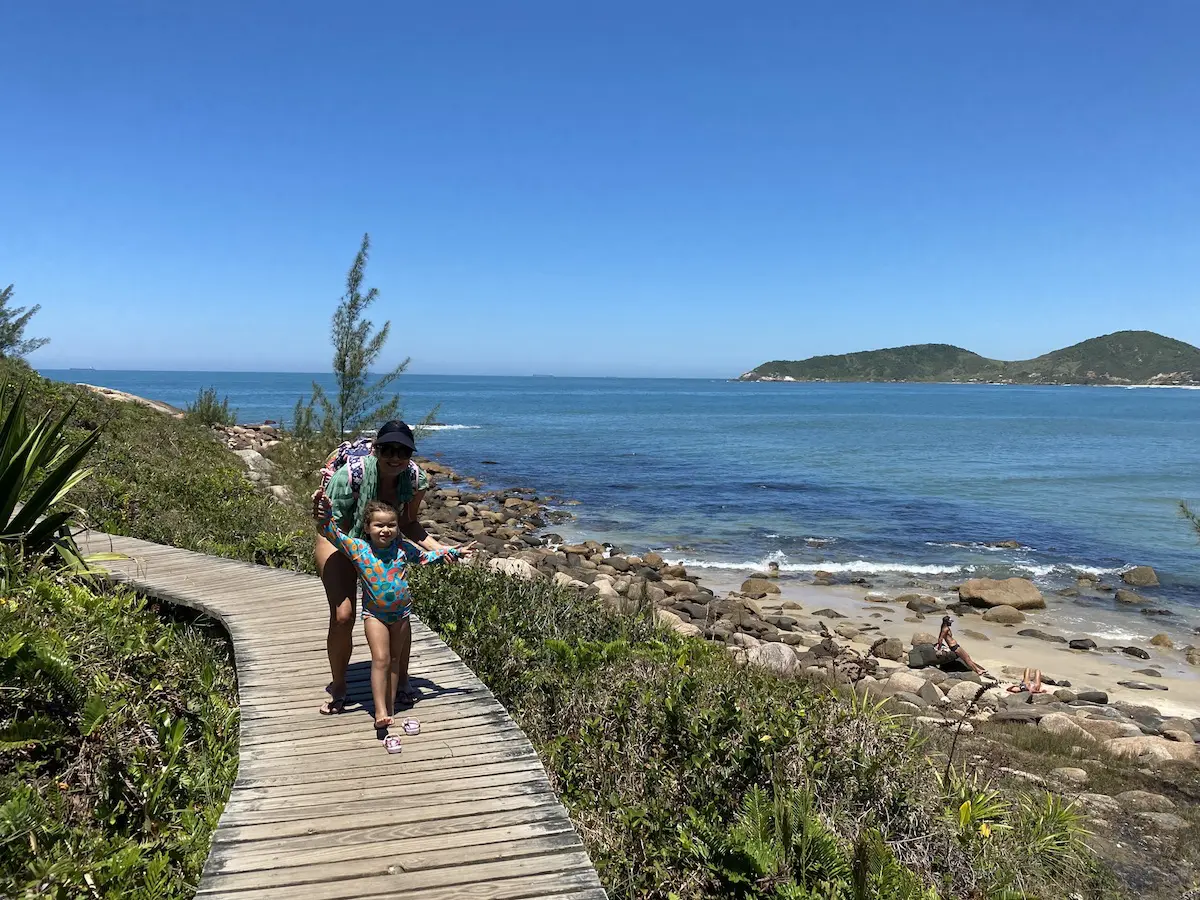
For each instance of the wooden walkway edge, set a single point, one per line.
(319, 810)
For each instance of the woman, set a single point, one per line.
(389, 475)
(946, 639)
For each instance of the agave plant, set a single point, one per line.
(38, 464)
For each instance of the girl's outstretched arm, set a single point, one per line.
(356, 549)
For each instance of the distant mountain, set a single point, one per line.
(1123, 357)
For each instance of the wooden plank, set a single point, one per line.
(318, 809)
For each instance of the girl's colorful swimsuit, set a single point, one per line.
(385, 594)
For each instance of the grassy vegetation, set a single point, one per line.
(1124, 356)
(691, 777)
(167, 480)
(118, 742)
(209, 410)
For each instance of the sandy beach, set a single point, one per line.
(999, 648)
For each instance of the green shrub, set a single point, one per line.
(665, 752)
(208, 410)
(167, 480)
(118, 743)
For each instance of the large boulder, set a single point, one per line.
(1019, 593)
(888, 648)
(1140, 576)
(1065, 726)
(779, 658)
(903, 682)
(922, 656)
(514, 568)
(1153, 749)
(759, 586)
(1004, 615)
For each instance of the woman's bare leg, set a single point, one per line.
(966, 657)
(340, 581)
(379, 639)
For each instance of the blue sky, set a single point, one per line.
(617, 188)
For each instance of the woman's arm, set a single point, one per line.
(412, 527)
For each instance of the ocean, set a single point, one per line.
(903, 484)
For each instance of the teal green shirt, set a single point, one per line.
(348, 507)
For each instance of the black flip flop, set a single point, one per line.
(334, 706)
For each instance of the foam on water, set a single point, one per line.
(449, 427)
(856, 566)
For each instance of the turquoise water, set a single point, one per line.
(895, 482)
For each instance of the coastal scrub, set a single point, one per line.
(118, 741)
(690, 776)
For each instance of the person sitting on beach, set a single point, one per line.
(381, 562)
(946, 639)
(1031, 681)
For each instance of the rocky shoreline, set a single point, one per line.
(759, 624)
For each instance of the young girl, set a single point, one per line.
(381, 562)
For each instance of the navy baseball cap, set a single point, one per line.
(396, 432)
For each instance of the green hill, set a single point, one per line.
(1124, 357)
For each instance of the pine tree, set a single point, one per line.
(12, 327)
(361, 400)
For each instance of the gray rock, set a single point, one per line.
(1020, 593)
(1124, 596)
(1164, 821)
(829, 614)
(921, 656)
(931, 694)
(922, 603)
(1082, 644)
(888, 648)
(1142, 686)
(778, 658)
(1070, 775)
(1092, 696)
(1140, 576)
(1135, 651)
(1042, 635)
(1004, 615)
(1145, 801)
(1150, 673)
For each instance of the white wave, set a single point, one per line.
(984, 547)
(1115, 634)
(448, 427)
(858, 565)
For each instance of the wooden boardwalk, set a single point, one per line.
(319, 810)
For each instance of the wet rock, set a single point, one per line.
(1140, 576)
(1142, 686)
(1042, 635)
(1150, 673)
(975, 635)
(874, 597)
(922, 603)
(1162, 640)
(1004, 615)
(1192, 655)
(1019, 593)
(759, 586)
(1135, 651)
(1082, 644)
(1124, 596)
(829, 614)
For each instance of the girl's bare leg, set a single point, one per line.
(405, 648)
(396, 632)
(379, 640)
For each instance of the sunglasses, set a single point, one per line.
(393, 450)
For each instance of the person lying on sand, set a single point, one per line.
(1031, 681)
(946, 639)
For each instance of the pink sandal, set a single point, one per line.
(411, 726)
(391, 744)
